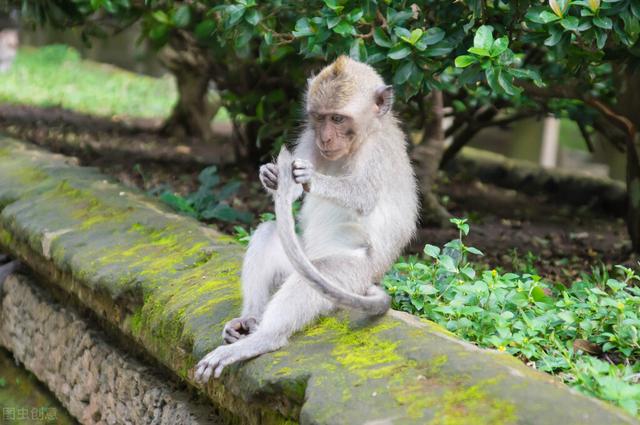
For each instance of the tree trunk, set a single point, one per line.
(628, 107)
(193, 112)
(427, 157)
(633, 194)
(190, 64)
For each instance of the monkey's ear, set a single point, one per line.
(384, 99)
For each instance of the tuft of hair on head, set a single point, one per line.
(340, 65)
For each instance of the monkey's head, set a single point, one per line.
(346, 99)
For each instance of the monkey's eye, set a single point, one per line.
(337, 118)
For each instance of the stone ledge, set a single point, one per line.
(96, 382)
(574, 187)
(170, 284)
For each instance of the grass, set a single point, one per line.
(56, 75)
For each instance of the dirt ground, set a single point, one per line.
(514, 230)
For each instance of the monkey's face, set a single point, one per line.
(335, 134)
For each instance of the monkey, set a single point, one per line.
(359, 211)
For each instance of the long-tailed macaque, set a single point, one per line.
(359, 211)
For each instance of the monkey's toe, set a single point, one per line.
(239, 328)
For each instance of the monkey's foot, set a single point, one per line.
(224, 355)
(239, 328)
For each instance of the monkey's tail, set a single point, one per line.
(375, 302)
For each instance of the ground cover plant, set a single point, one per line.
(586, 333)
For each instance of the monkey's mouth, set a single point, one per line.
(331, 154)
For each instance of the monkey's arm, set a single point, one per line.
(358, 191)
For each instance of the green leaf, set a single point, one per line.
(603, 22)
(403, 33)
(205, 29)
(381, 38)
(474, 251)
(504, 79)
(355, 15)
(527, 74)
(333, 5)
(499, 46)
(492, 79)
(601, 38)
(416, 34)
(554, 38)
(440, 49)
(538, 295)
(399, 51)
(229, 190)
(344, 28)
(448, 264)
(465, 60)
(161, 16)
(431, 250)
(404, 72)
(484, 37)
(221, 212)
(303, 28)
(570, 23)
(333, 21)
(177, 202)
(432, 36)
(547, 17)
(479, 51)
(252, 17)
(234, 14)
(182, 17)
(358, 50)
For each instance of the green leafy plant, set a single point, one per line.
(556, 328)
(209, 202)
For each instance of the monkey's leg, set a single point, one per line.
(294, 306)
(265, 267)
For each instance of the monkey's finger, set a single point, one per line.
(271, 179)
(250, 324)
(218, 371)
(269, 174)
(298, 163)
(199, 375)
(301, 172)
(233, 333)
(230, 339)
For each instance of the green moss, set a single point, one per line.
(464, 406)
(360, 350)
(5, 237)
(284, 371)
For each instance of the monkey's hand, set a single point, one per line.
(239, 328)
(269, 176)
(302, 171)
